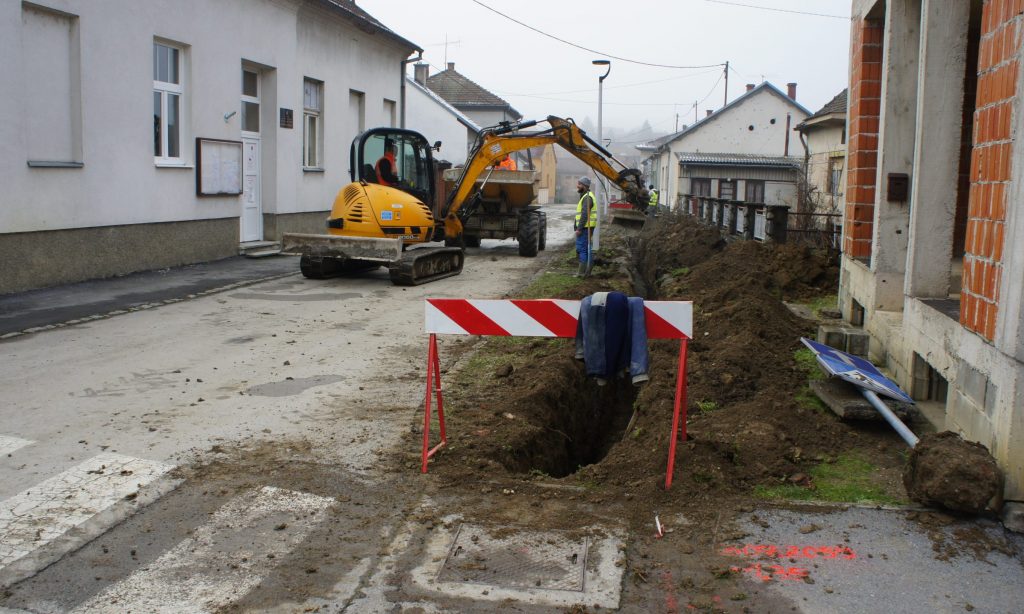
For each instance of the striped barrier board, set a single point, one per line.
(541, 318)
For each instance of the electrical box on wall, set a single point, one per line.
(898, 189)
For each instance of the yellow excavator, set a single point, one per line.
(372, 224)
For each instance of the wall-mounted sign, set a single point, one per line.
(218, 167)
(286, 118)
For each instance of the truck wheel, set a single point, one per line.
(529, 234)
(542, 243)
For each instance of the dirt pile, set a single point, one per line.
(538, 414)
(946, 471)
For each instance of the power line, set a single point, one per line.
(613, 87)
(571, 44)
(769, 8)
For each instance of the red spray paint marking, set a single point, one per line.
(671, 603)
(767, 573)
(791, 552)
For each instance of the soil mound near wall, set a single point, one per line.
(946, 471)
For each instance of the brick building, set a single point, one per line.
(934, 209)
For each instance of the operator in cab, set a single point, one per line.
(584, 224)
(387, 169)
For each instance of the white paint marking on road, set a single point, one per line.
(10, 444)
(223, 560)
(43, 523)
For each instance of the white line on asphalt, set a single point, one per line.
(223, 560)
(48, 520)
(10, 444)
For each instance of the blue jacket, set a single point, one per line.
(611, 336)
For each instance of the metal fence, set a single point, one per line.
(764, 222)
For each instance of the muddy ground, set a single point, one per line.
(534, 442)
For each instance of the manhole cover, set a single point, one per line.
(516, 559)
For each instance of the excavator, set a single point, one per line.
(371, 225)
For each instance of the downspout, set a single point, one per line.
(803, 190)
(405, 62)
(789, 118)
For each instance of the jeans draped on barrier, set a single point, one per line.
(611, 336)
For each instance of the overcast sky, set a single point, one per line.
(540, 76)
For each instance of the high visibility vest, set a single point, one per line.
(394, 170)
(507, 164)
(654, 198)
(592, 221)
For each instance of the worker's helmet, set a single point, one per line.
(650, 187)
(584, 181)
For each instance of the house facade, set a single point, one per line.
(431, 116)
(484, 107)
(153, 138)
(759, 122)
(934, 215)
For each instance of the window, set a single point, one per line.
(167, 94)
(754, 191)
(727, 189)
(51, 87)
(250, 100)
(700, 187)
(312, 123)
(835, 176)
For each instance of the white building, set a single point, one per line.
(104, 173)
(759, 123)
(429, 114)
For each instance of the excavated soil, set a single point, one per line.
(946, 471)
(536, 416)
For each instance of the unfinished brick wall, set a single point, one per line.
(990, 164)
(862, 146)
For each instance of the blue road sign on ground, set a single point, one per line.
(855, 370)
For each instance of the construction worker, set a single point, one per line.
(386, 167)
(584, 224)
(653, 205)
(506, 164)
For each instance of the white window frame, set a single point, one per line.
(167, 89)
(253, 100)
(314, 115)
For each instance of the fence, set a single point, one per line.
(764, 222)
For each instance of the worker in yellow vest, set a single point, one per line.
(652, 206)
(584, 224)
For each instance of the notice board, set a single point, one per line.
(218, 167)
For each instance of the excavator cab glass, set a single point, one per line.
(396, 158)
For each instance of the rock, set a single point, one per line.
(503, 371)
(811, 528)
(800, 479)
(945, 470)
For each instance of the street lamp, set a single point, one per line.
(600, 139)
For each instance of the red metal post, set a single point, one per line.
(680, 407)
(440, 400)
(431, 348)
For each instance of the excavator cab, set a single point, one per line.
(413, 162)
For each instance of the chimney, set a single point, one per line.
(792, 90)
(750, 86)
(451, 65)
(421, 70)
(710, 111)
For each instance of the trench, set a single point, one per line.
(576, 423)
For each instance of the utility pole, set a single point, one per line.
(726, 83)
(677, 123)
(695, 118)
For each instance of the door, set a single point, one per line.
(251, 223)
(252, 211)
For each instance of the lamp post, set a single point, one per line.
(603, 209)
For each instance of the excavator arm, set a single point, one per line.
(494, 143)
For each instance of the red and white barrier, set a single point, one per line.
(542, 318)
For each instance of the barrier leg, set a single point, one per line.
(437, 390)
(679, 407)
(431, 348)
(433, 387)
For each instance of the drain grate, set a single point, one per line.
(513, 558)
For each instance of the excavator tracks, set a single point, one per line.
(419, 266)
